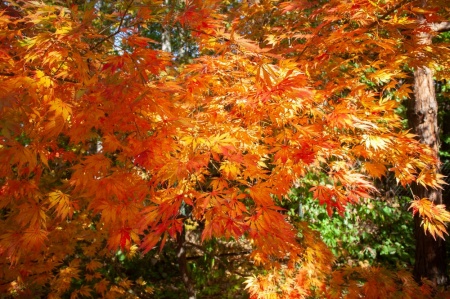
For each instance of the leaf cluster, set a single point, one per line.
(107, 144)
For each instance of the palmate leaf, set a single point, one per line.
(434, 217)
(34, 238)
(101, 286)
(83, 292)
(64, 207)
(105, 146)
(374, 169)
(61, 109)
(430, 177)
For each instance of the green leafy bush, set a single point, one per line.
(374, 231)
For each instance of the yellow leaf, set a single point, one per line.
(375, 169)
(230, 170)
(61, 109)
(61, 202)
(434, 217)
(375, 142)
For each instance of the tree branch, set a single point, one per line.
(118, 28)
(244, 252)
(7, 74)
(440, 27)
(68, 80)
(218, 257)
(388, 13)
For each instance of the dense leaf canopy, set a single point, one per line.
(108, 142)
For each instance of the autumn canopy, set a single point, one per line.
(108, 141)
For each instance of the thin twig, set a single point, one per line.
(118, 28)
(387, 13)
(60, 66)
(68, 80)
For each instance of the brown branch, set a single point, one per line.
(218, 257)
(7, 74)
(196, 246)
(68, 80)
(440, 27)
(194, 257)
(118, 28)
(183, 265)
(388, 13)
(367, 27)
(60, 65)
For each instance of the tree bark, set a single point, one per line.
(181, 237)
(183, 265)
(430, 256)
(446, 129)
(165, 38)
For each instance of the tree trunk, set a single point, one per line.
(445, 125)
(430, 254)
(445, 147)
(182, 262)
(430, 257)
(181, 237)
(165, 38)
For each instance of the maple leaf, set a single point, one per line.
(101, 286)
(434, 217)
(102, 130)
(150, 241)
(230, 170)
(325, 195)
(93, 265)
(32, 214)
(61, 109)
(429, 177)
(34, 238)
(375, 142)
(122, 238)
(23, 157)
(375, 169)
(84, 291)
(64, 207)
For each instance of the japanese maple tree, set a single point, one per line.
(106, 142)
